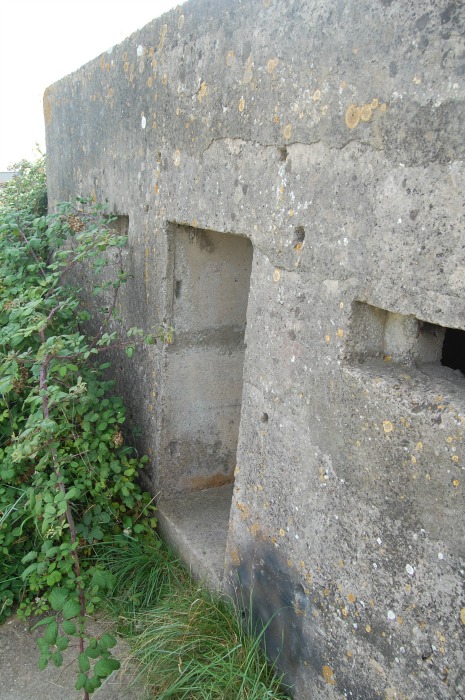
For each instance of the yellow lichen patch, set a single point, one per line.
(47, 107)
(271, 65)
(340, 333)
(177, 157)
(164, 79)
(276, 275)
(229, 57)
(456, 483)
(308, 577)
(241, 104)
(387, 426)
(368, 628)
(276, 119)
(462, 616)
(234, 556)
(163, 33)
(149, 82)
(316, 95)
(455, 458)
(291, 212)
(126, 66)
(328, 676)
(383, 107)
(374, 103)
(125, 56)
(327, 339)
(352, 117)
(102, 62)
(266, 3)
(181, 22)
(351, 598)
(366, 113)
(290, 563)
(202, 91)
(287, 133)
(413, 459)
(344, 612)
(281, 532)
(343, 85)
(255, 529)
(419, 446)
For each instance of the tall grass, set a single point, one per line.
(188, 644)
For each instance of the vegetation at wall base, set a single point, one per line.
(186, 643)
(67, 479)
(76, 531)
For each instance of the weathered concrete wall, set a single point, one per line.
(330, 135)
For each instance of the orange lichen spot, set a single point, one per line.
(156, 189)
(340, 333)
(343, 85)
(241, 104)
(327, 673)
(287, 133)
(276, 119)
(399, 619)
(316, 95)
(352, 117)
(202, 91)
(234, 556)
(255, 529)
(456, 483)
(47, 107)
(366, 113)
(383, 107)
(327, 339)
(387, 426)
(351, 598)
(298, 247)
(281, 532)
(271, 65)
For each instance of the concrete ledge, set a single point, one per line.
(196, 527)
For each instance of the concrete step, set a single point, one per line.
(195, 525)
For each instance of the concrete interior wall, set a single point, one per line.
(202, 383)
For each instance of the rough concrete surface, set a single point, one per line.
(20, 678)
(292, 177)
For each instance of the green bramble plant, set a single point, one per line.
(67, 479)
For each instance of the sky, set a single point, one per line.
(41, 41)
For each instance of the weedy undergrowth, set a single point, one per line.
(67, 479)
(188, 643)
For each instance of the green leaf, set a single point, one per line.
(104, 667)
(107, 641)
(83, 662)
(62, 643)
(43, 662)
(93, 652)
(51, 632)
(71, 609)
(68, 627)
(58, 597)
(81, 681)
(57, 658)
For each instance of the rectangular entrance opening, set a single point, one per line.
(203, 392)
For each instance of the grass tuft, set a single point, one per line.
(188, 644)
